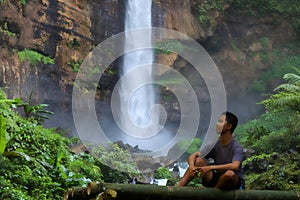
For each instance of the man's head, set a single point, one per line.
(227, 122)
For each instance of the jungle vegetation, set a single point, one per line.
(275, 138)
(38, 162)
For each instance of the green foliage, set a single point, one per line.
(116, 164)
(288, 9)
(88, 73)
(4, 29)
(23, 2)
(168, 46)
(3, 140)
(282, 66)
(35, 112)
(162, 173)
(288, 95)
(37, 162)
(266, 133)
(264, 41)
(75, 65)
(2, 94)
(74, 44)
(38, 112)
(34, 57)
(237, 51)
(273, 171)
(275, 138)
(203, 8)
(196, 182)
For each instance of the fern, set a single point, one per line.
(288, 87)
(292, 78)
(283, 100)
(287, 98)
(288, 95)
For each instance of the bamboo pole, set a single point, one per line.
(150, 192)
(76, 193)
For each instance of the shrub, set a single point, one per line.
(36, 162)
(162, 173)
(34, 57)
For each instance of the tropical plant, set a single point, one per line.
(37, 162)
(288, 94)
(287, 98)
(162, 173)
(38, 112)
(117, 164)
(275, 138)
(273, 171)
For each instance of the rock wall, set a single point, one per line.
(67, 30)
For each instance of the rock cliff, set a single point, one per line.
(67, 30)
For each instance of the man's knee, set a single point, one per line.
(200, 162)
(228, 180)
(230, 175)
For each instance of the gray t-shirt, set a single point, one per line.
(224, 154)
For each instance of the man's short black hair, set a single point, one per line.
(231, 119)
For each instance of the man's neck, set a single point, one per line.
(225, 137)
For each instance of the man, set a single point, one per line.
(226, 172)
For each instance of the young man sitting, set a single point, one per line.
(226, 172)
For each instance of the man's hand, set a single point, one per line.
(205, 169)
(194, 171)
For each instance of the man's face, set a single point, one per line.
(220, 124)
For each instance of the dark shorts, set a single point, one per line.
(216, 175)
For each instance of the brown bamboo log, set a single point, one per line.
(76, 193)
(150, 192)
(108, 194)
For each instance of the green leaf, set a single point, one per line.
(3, 140)
(59, 157)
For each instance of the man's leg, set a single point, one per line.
(228, 181)
(188, 176)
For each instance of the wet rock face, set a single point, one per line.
(107, 18)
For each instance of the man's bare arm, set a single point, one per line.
(230, 166)
(192, 158)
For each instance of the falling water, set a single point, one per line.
(138, 15)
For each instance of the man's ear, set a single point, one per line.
(229, 126)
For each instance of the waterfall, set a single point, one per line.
(138, 15)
